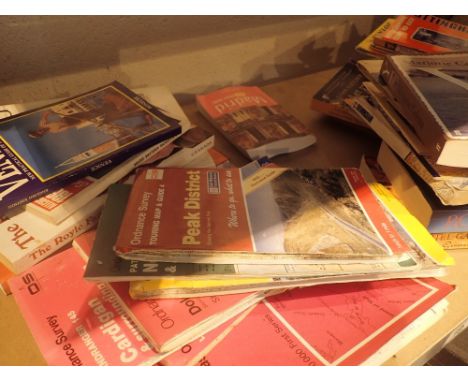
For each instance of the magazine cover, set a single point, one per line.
(268, 215)
(75, 322)
(45, 148)
(337, 324)
(254, 122)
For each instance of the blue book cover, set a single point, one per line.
(43, 149)
(449, 220)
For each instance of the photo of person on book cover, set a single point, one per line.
(66, 135)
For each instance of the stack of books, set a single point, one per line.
(143, 246)
(415, 102)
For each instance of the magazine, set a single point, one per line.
(254, 122)
(44, 149)
(267, 215)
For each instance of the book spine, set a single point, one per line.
(452, 240)
(414, 109)
(186, 155)
(444, 23)
(59, 240)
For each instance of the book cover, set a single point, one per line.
(449, 220)
(176, 151)
(172, 323)
(432, 91)
(60, 204)
(44, 149)
(254, 122)
(426, 34)
(190, 351)
(271, 215)
(26, 239)
(337, 324)
(75, 322)
(330, 97)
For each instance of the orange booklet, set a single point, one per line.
(336, 324)
(427, 34)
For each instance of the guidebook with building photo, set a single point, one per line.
(254, 122)
(46, 148)
(266, 215)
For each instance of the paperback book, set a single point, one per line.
(423, 34)
(46, 148)
(104, 265)
(330, 98)
(26, 239)
(75, 322)
(432, 94)
(254, 122)
(60, 204)
(338, 324)
(268, 215)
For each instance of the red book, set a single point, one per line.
(268, 215)
(172, 323)
(254, 122)
(76, 322)
(336, 324)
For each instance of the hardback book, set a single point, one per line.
(254, 122)
(330, 97)
(367, 46)
(61, 203)
(432, 92)
(75, 322)
(26, 239)
(265, 215)
(337, 324)
(424, 34)
(44, 149)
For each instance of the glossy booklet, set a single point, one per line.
(44, 149)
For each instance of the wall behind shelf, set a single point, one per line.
(59, 56)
